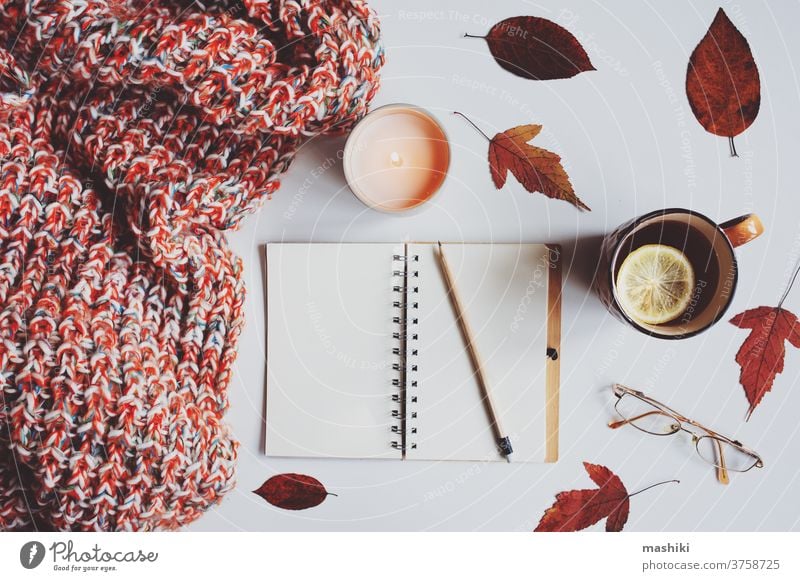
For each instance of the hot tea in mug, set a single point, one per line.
(672, 273)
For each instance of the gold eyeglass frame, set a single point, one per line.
(722, 470)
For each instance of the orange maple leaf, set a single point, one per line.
(537, 169)
(762, 353)
(577, 509)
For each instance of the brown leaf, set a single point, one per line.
(537, 48)
(537, 169)
(293, 491)
(762, 353)
(722, 81)
(575, 510)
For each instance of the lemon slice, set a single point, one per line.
(655, 284)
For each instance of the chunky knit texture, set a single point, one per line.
(133, 133)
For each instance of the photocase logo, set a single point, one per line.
(31, 554)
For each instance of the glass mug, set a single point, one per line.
(709, 248)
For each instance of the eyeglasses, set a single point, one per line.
(653, 417)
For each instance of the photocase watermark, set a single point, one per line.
(661, 365)
(418, 15)
(568, 19)
(450, 485)
(504, 97)
(313, 177)
(536, 281)
(471, 471)
(792, 260)
(510, 31)
(679, 112)
(613, 353)
(65, 557)
(330, 347)
(442, 15)
(764, 334)
(747, 181)
(317, 173)
(31, 554)
(734, 11)
(478, 86)
(697, 295)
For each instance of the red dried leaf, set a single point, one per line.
(575, 510)
(722, 81)
(537, 169)
(762, 353)
(537, 48)
(293, 491)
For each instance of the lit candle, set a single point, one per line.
(396, 158)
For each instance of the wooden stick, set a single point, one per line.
(503, 441)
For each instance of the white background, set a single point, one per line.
(630, 144)
(449, 556)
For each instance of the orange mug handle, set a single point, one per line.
(743, 229)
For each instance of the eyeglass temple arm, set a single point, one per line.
(722, 471)
(620, 423)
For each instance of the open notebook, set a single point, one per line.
(365, 358)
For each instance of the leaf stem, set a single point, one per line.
(468, 35)
(331, 494)
(478, 129)
(733, 147)
(653, 486)
(790, 285)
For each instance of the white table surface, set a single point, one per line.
(630, 144)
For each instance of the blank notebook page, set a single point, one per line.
(329, 350)
(503, 288)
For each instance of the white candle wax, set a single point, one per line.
(396, 158)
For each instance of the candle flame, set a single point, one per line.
(396, 160)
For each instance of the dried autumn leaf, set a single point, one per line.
(761, 356)
(293, 491)
(536, 48)
(722, 81)
(575, 510)
(537, 169)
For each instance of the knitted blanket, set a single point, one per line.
(133, 133)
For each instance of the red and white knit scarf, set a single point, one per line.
(133, 133)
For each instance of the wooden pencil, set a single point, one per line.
(503, 441)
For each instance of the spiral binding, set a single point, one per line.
(406, 366)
